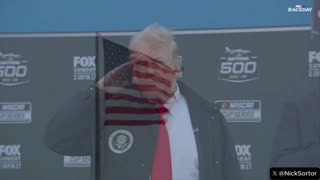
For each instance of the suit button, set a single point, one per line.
(217, 162)
(142, 165)
(91, 88)
(212, 117)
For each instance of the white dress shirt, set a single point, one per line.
(184, 154)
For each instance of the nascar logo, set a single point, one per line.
(15, 112)
(240, 110)
(77, 161)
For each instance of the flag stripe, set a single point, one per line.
(151, 76)
(153, 65)
(125, 103)
(153, 88)
(132, 123)
(137, 56)
(134, 90)
(131, 110)
(133, 117)
(133, 98)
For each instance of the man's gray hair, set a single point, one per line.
(155, 35)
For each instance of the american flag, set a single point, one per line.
(136, 85)
(137, 89)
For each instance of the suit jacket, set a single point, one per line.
(69, 133)
(297, 142)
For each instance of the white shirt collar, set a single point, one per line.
(173, 100)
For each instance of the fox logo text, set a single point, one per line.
(10, 157)
(314, 63)
(84, 68)
(238, 65)
(244, 156)
(13, 69)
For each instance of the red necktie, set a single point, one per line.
(161, 169)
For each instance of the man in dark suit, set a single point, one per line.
(201, 147)
(297, 140)
(297, 143)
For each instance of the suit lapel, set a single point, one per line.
(200, 123)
